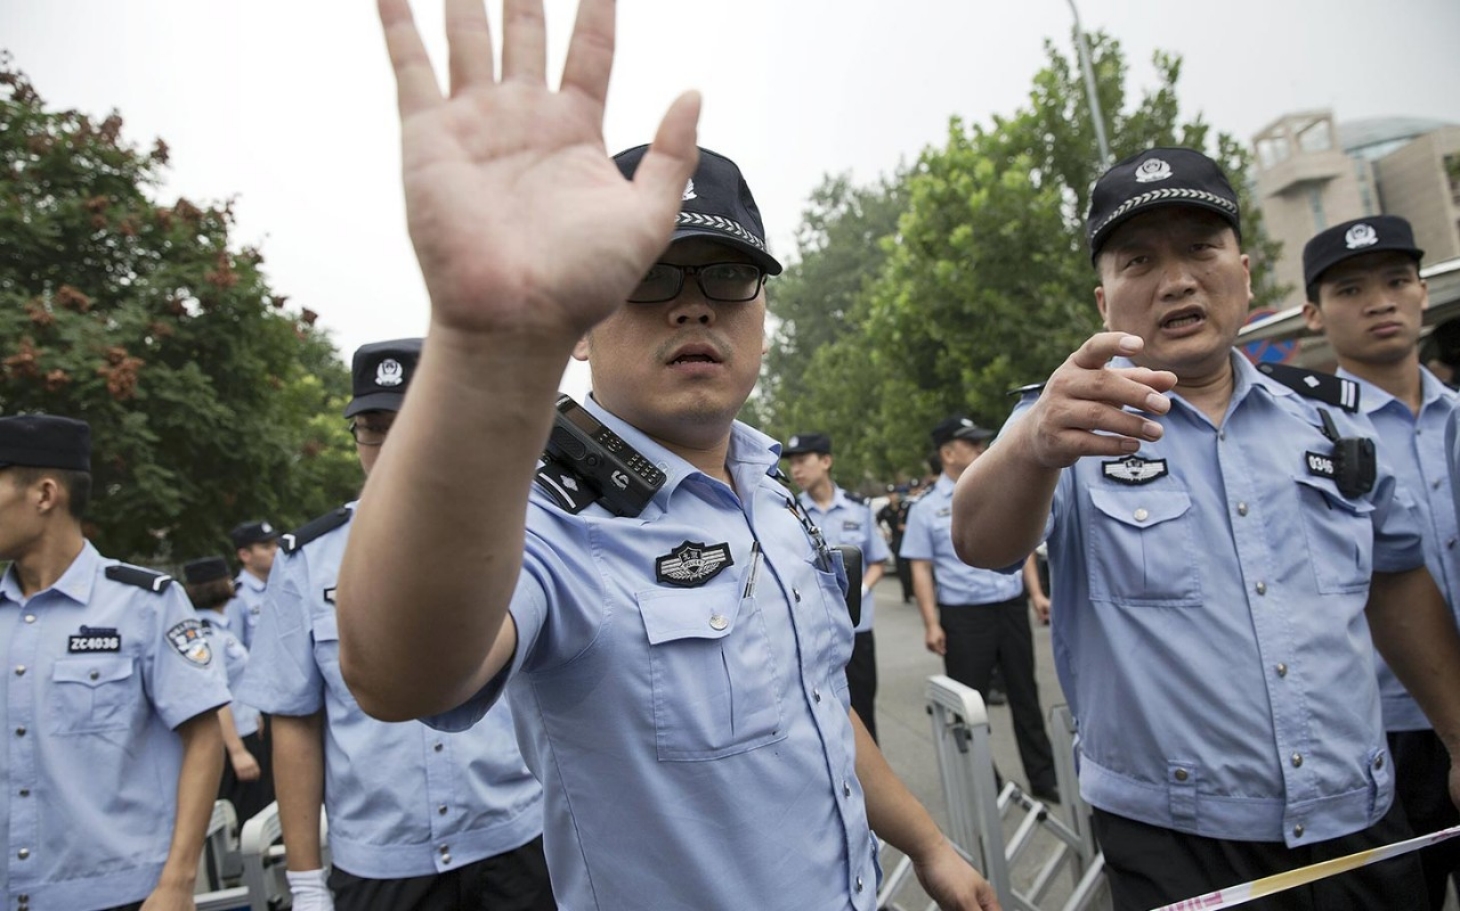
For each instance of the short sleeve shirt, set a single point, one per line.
(1209, 625)
(671, 684)
(246, 607)
(929, 536)
(403, 800)
(850, 522)
(98, 674)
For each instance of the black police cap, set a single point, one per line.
(247, 533)
(45, 441)
(958, 427)
(1375, 234)
(1153, 179)
(716, 204)
(380, 373)
(205, 569)
(808, 442)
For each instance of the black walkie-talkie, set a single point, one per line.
(623, 480)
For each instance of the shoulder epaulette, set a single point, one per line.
(565, 487)
(136, 575)
(1032, 388)
(314, 529)
(1325, 387)
(856, 498)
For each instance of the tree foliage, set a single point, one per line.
(982, 283)
(210, 401)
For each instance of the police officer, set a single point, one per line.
(1365, 295)
(255, 542)
(678, 673)
(247, 783)
(844, 518)
(978, 620)
(419, 820)
(108, 701)
(1212, 535)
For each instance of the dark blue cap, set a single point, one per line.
(1153, 179)
(45, 441)
(380, 373)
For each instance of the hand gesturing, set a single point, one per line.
(521, 222)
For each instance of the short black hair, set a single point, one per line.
(77, 485)
(211, 594)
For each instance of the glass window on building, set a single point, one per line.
(1316, 137)
(1272, 150)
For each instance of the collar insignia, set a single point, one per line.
(187, 638)
(1134, 470)
(692, 564)
(329, 595)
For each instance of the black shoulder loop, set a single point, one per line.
(1313, 384)
(136, 575)
(315, 528)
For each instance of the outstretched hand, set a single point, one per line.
(521, 222)
(1082, 409)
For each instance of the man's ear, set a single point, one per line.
(1313, 316)
(1100, 304)
(580, 348)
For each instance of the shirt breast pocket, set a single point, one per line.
(94, 694)
(1143, 548)
(1340, 534)
(716, 688)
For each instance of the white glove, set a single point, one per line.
(310, 891)
(865, 592)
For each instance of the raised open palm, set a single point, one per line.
(521, 222)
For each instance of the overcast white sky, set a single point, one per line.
(288, 105)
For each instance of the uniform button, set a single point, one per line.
(1450, 544)
(446, 858)
(438, 746)
(796, 593)
(859, 884)
(20, 731)
(20, 670)
(441, 809)
(1298, 830)
(718, 622)
(816, 694)
(1241, 509)
(1182, 774)
(1297, 760)
(1436, 485)
(846, 788)
(94, 675)
(1262, 588)
(25, 792)
(1378, 762)
(1141, 515)
(1222, 435)
(1282, 670)
(23, 853)
(30, 618)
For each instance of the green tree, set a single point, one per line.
(985, 283)
(210, 401)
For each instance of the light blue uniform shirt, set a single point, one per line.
(246, 607)
(95, 681)
(848, 521)
(235, 662)
(929, 537)
(1414, 446)
(694, 743)
(1209, 626)
(402, 799)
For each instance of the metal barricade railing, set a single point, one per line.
(977, 810)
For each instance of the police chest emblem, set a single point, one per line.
(1134, 470)
(1360, 235)
(94, 639)
(189, 640)
(1152, 170)
(389, 373)
(692, 564)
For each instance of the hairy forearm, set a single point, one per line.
(1415, 632)
(1000, 505)
(436, 544)
(197, 788)
(299, 786)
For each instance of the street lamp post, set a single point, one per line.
(1090, 88)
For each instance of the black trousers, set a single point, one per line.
(514, 881)
(1149, 866)
(1422, 787)
(981, 636)
(862, 680)
(249, 797)
(904, 574)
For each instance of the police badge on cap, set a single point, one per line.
(1155, 178)
(380, 373)
(1374, 234)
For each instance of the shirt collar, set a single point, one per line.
(254, 583)
(838, 499)
(75, 583)
(1374, 398)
